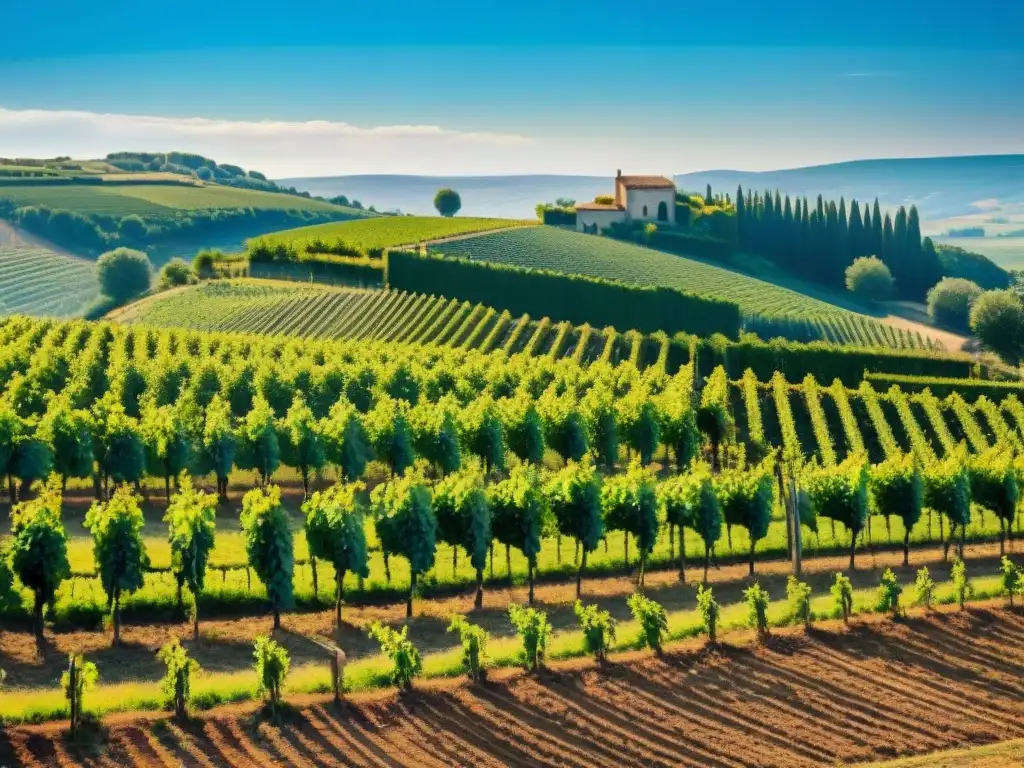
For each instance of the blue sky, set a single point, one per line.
(480, 88)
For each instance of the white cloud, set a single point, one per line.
(278, 148)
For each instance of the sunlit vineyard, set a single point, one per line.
(773, 310)
(387, 231)
(38, 281)
(321, 312)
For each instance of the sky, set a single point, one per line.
(460, 88)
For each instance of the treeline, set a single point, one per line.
(819, 241)
(93, 232)
(337, 263)
(564, 297)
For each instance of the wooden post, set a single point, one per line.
(73, 687)
(793, 514)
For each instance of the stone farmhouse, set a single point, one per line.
(637, 198)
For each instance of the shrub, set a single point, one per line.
(177, 683)
(869, 278)
(80, 677)
(798, 593)
(474, 647)
(889, 591)
(272, 663)
(997, 318)
(266, 526)
(950, 300)
(533, 629)
(174, 273)
(123, 273)
(191, 519)
(598, 629)
(604, 200)
(962, 587)
(406, 661)
(757, 608)
(204, 265)
(709, 612)
(1011, 579)
(924, 588)
(842, 593)
(335, 532)
(447, 202)
(652, 619)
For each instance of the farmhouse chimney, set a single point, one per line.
(618, 174)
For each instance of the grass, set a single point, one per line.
(157, 199)
(575, 253)
(1003, 754)
(211, 689)
(389, 231)
(41, 282)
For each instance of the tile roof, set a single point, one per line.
(645, 182)
(598, 207)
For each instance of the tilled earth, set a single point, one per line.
(836, 695)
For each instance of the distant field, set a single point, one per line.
(37, 281)
(1007, 252)
(317, 311)
(156, 199)
(570, 252)
(389, 231)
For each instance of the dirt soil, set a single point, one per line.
(837, 695)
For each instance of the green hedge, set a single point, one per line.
(338, 271)
(941, 387)
(682, 244)
(571, 298)
(826, 362)
(558, 217)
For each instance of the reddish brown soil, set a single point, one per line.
(837, 695)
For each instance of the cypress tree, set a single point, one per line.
(708, 199)
(844, 235)
(833, 249)
(902, 268)
(788, 244)
(930, 267)
(886, 251)
(805, 237)
(855, 233)
(877, 236)
(741, 212)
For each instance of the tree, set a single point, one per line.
(406, 525)
(897, 488)
(39, 548)
(335, 533)
(524, 431)
(116, 527)
(123, 274)
(259, 448)
(175, 272)
(69, 432)
(746, 498)
(689, 500)
(80, 677)
(869, 278)
(435, 434)
(345, 440)
(638, 420)
(997, 318)
(117, 443)
(631, 505)
(167, 444)
(387, 427)
(949, 302)
(447, 202)
(268, 545)
(482, 432)
(574, 498)
(219, 443)
(518, 514)
(191, 519)
(464, 520)
(947, 490)
(840, 493)
(303, 446)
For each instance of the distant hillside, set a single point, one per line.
(942, 188)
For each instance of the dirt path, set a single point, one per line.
(837, 695)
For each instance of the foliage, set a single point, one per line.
(123, 273)
(598, 629)
(345, 440)
(997, 318)
(464, 518)
(949, 302)
(406, 661)
(840, 493)
(746, 498)
(335, 532)
(574, 498)
(652, 619)
(406, 524)
(176, 685)
(258, 445)
(518, 513)
(757, 600)
(116, 528)
(474, 647)
(869, 278)
(631, 504)
(75, 686)
(447, 202)
(533, 629)
(39, 547)
(191, 519)
(962, 587)
(798, 593)
(924, 588)
(302, 446)
(1011, 579)
(709, 612)
(842, 594)
(272, 665)
(268, 545)
(889, 591)
(175, 272)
